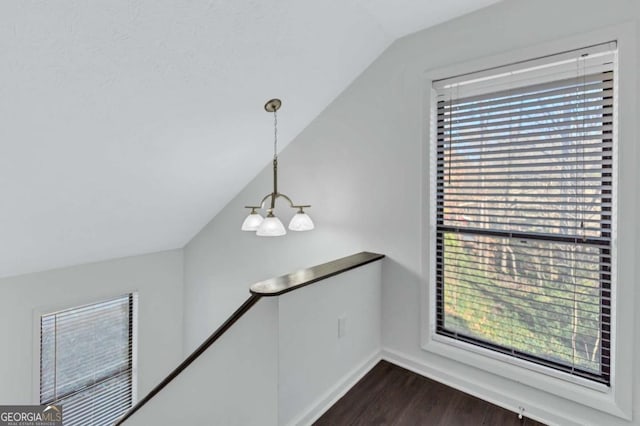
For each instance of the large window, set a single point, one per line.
(524, 195)
(86, 361)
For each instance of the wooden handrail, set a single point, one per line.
(295, 280)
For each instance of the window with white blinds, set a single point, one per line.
(525, 210)
(86, 361)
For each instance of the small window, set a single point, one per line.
(525, 210)
(86, 361)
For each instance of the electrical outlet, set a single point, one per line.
(342, 327)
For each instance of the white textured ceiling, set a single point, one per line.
(126, 125)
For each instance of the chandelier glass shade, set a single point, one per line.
(253, 221)
(270, 225)
(301, 222)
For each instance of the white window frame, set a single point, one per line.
(616, 399)
(45, 310)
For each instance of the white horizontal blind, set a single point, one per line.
(86, 361)
(524, 210)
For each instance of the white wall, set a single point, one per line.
(233, 383)
(156, 277)
(316, 363)
(359, 164)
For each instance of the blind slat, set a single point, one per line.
(464, 294)
(488, 152)
(470, 279)
(536, 268)
(567, 104)
(486, 146)
(577, 134)
(508, 97)
(578, 124)
(584, 109)
(447, 113)
(469, 216)
(572, 83)
(487, 309)
(534, 175)
(568, 166)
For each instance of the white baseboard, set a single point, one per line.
(322, 404)
(456, 381)
(493, 396)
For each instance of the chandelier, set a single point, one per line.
(271, 226)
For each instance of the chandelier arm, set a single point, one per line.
(275, 196)
(265, 198)
(286, 198)
(293, 206)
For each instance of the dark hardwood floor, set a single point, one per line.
(391, 395)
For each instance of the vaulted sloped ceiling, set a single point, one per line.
(126, 125)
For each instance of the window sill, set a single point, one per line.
(581, 391)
